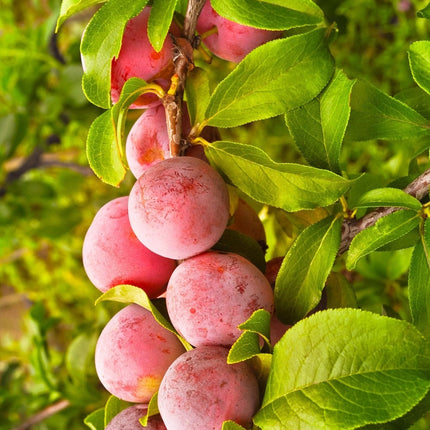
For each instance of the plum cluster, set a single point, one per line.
(160, 238)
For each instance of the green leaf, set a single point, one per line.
(101, 42)
(159, 21)
(152, 410)
(245, 347)
(419, 62)
(306, 6)
(340, 294)
(70, 7)
(96, 420)
(105, 140)
(260, 14)
(417, 99)
(424, 13)
(318, 127)
(419, 282)
(284, 185)
(387, 229)
(386, 197)
(239, 243)
(231, 425)
(347, 368)
(305, 268)
(131, 294)
(197, 92)
(264, 83)
(113, 407)
(375, 115)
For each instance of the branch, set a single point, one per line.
(44, 414)
(418, 188)
(183, 63)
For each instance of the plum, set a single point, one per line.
(210, 294)
(128, 419)
(137, 58)
(113, 255)
(232, 41)
(179, 207)
(201, 391)
(133, 352)
(148, 141)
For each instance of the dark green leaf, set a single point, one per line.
(260, 14)
(375, 115)
(387, 229)
(238, 243)
(100, 43)
(95, 420)
(70, 7)
(159, 21)
(419, 282)
(424, 13)
(319, 126)
(305, 268)
(264, 84)
(340, 294)
(197, 93)
(419, 61)
(131, 294)
(386, 197)
(284, 185)
(417, 99)
(347, 368)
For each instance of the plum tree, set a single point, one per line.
(179, 207)
(197, 291)
(113, 255)
(133, 352)
(148, 141)
(200, 390)
(231, 41)
(128, 419)
(137, 58)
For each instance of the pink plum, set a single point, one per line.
(210, 294)
(232, 41)
(112, 254)
(179, 207)
(201, 391)
(148, 141)
(137, 58)
(128, 419)
(133, 352)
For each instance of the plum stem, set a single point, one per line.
(183, 63)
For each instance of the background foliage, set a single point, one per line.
(48, 195)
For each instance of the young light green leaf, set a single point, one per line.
(424, 13)
(231, 425)
(103, 152)
(70, 7)
(132, 294)
(101, 42)
(159, 22)
(245, 347)
(347, 368)
(152, 410)
(386, 197)
(387, 229)
(284, 185)
(318, 127)
(305, 268)
(80, 356)
(375, 115)
(419, 62)
(260, 14)
(419, 282)
(95, 420)
(264, 83)
(306, 6)
(197, 93)
(113, 407)
(239, 243)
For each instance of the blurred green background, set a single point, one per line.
(48, 197)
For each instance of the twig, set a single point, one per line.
(44, 414)
(183, 63)
(350, 228)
